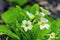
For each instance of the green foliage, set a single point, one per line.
(5, 30)
(27, 8)
(20, 2)
(14, 13)
(34, 8)
(15, 16)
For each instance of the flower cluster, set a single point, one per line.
(42, 22)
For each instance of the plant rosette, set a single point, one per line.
(29, 24)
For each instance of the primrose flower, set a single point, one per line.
(52, 35)
(40, 13)
(31, 16)
(43, 23)
(27, 25)
(44, 12)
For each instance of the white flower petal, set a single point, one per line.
(41, 8)
(29, 22)
(48, 13)
(42, 27)
(44, 19)
(28, 13)
(30, 27)
(25, 29)
(24, 22)
(49, 38)
(47, 26)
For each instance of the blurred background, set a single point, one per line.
(52, 5)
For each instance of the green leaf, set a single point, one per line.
(19, 27)
(58, 22)
(12, 14)
(15, 29)
(34, 32)
(27, 8)
(54, 27)
(1, 33)
(37, 34)
(34, 8)
(50, 18)
(5, 30)
(43, 33)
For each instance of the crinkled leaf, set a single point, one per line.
(12, 14)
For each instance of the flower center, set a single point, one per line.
(51, 35)
(26, 25)
(42, 23)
